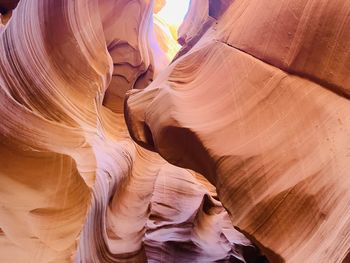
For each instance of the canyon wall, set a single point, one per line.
(257, 100)
(74, 187)
(110, 152)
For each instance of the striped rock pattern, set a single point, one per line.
(257, 100)
(74, 187)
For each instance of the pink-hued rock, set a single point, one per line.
(74, 187)
(259, 104)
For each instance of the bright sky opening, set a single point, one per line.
(174, 11)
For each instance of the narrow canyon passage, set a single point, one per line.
(174, 131)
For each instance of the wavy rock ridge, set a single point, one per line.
(257, 101)
(74, 187)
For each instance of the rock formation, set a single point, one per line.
(74, 187)
(257, 100)
(240, 145)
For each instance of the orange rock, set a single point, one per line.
(257, 102)
(74, 187)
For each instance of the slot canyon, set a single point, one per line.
(220, 135)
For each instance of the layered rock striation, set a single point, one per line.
(74, 187)
(257, 100)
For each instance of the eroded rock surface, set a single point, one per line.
(257, 101)
(74, 187)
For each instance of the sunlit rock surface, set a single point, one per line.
(257, 100)
(74, 187)
(255, 103)
(165, 33)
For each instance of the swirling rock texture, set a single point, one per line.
(257, 100)
(74, 187)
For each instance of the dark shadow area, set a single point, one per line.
(7, 5)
